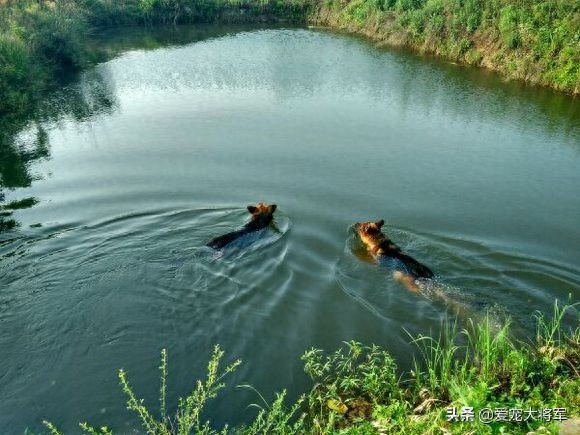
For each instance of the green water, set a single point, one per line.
(118, 180)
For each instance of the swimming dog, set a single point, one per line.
(262, 216)
(406, 269)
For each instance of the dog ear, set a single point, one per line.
(273, 208)
(380, 223)
(252, 209)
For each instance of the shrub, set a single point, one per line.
(350, 380)
(508, 26)
(356, 389)
(15, 74)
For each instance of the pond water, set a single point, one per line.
(113, 188)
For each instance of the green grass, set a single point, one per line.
(39, 41)
(43, 40)
(358, 389)
(113, 12)
(538, 42)
(534, 41)
(187, 418)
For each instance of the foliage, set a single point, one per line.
(356, 389)
(15, 73)
(359, 372)
(39, 40)
(43, 40)
(189, 409)
(535, 41)
(112, 12)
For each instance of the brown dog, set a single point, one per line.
(406, 269)
(262, 216)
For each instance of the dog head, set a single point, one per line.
(262, 213)
(370, 234)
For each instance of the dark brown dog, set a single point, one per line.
(407, 269)
(262, 216)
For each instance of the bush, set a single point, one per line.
(356, 389)
(518, 39)
(15, 74)
(508, 26)
(41, 39)
(54, 35)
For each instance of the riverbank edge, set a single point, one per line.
(458, 378)
(481, 51)
(51, 39)
(44, 43)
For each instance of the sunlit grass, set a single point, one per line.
(40, 40)
(357, 389)
(532, 41)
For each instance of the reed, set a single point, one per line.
(357, 388)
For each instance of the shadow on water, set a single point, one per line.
(109, 43)
(436, 85)
(24, 141)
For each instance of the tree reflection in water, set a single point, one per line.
(24, 140)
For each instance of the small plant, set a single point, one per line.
(439, 361)
(555, 344)
(356, 389)
(348, 382)
(189, 409)
(275, 418)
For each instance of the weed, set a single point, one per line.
(357, 391)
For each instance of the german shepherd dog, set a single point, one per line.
(262, 216)
(406, 269)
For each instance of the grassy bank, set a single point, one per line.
(359, 390)
(41, 41)
(148, 12)
(538, 42)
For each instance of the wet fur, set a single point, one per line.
(262, 216)
(379, 245)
